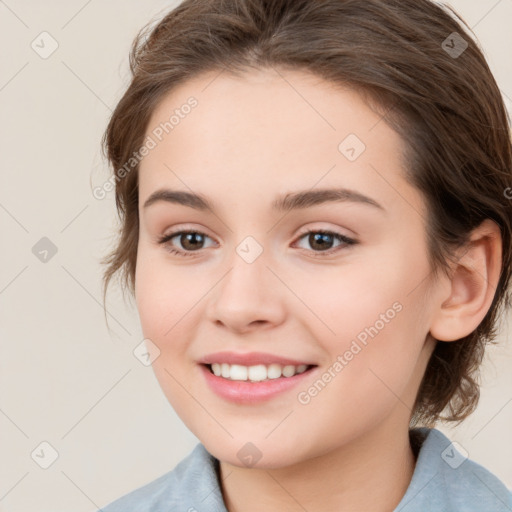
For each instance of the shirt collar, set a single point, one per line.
(443, 480)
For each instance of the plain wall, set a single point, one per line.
(65, 379)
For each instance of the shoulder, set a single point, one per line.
(191, 484)
(446, 480)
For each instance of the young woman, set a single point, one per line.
(316, 226)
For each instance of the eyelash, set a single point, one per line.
(342, 238)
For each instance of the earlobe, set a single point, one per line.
(472, 285)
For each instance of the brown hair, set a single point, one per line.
(447, 108)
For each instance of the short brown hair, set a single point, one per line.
(447, 108)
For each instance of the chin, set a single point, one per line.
(253, 455)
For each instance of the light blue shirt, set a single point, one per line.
(444, 480)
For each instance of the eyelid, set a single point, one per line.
(203, 231)
(187, 228)
(346, 242)
(308, 228)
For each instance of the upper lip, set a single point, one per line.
(250, 359)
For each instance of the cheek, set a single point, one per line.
(165, 303)
(152, 298)
(164, 294)
(377, 322)
(367, 378)
(342, 302)
(165, 308)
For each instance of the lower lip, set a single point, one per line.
(246, 392)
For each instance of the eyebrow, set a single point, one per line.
(291, 201)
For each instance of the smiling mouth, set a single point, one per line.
(257, 373)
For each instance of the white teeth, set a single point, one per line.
(274, 371)
(288, 371)
(256, 373)
(238, 372)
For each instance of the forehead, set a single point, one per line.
(267, 132)
(269, 105)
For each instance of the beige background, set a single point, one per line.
(64, 378)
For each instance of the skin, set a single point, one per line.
(249, 140)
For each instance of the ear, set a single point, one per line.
(472, 285)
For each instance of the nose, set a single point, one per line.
(249, 296)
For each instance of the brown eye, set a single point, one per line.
(322, 241)
(191, 241)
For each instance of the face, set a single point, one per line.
(335, 281)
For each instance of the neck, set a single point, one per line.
(370, 473)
